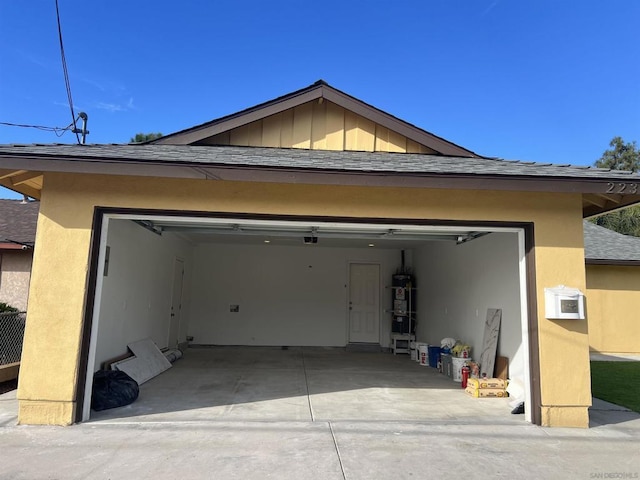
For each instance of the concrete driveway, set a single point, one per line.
(374, 416)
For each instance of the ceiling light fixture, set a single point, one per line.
(149, 225)
(470, 236)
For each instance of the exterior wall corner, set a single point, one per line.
(573, 416)
(33, 412)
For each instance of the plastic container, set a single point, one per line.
(423, 352)
(417, 359)
(434, 355)
(457, 364)
(447, 368)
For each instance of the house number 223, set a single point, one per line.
(622, 188)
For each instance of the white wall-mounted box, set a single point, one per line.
(563, 303)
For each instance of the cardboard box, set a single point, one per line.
(480, 383)
(486, 392)
(501, 369)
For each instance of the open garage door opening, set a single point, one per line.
(292, 285)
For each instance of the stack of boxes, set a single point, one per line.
(486, 387)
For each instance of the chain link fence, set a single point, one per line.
(11, 336)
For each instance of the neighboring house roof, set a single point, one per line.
(319, 91)
(18, 221)
(606, 247)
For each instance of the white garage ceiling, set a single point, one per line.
(325, 234)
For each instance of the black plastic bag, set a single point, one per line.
(113, 388)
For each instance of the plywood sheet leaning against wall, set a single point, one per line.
(490, 341)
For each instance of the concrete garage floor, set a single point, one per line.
(245, 413)
(304, 384)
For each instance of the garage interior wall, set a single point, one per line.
(458, 283)
(297, 295)
(136, 293)
(613, 303)
(287, 295)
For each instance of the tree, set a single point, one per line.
(144, 137)
(5, 308)
(623, 156)
(626, 221)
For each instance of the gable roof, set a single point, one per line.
(317, 91)
(342, 148)
(18, 221)
(606, 247)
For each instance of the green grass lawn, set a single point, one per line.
(617, 382)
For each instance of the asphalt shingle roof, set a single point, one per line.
(319, 160)
(603, 244)
(18, 221)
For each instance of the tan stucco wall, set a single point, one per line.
(613, 307)
(54, 325)
(14, 278)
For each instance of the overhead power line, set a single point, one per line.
(66, 75)
(72, 127)
(59, 131)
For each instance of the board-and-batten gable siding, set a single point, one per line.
(318, 126)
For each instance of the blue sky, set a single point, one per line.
(548, 81)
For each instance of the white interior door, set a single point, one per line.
(364, 303)
(176, 303)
